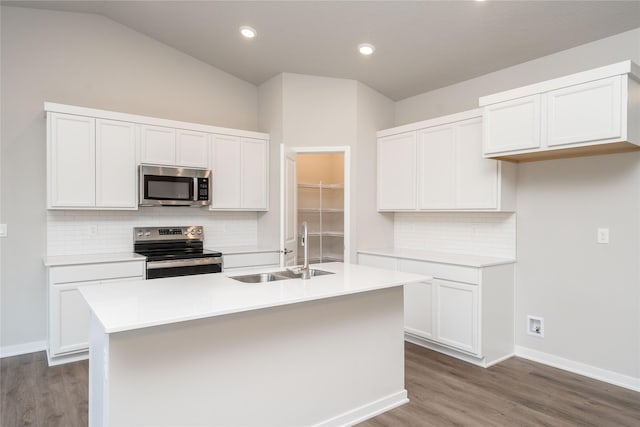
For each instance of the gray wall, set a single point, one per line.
(90, 61)
(588, 294)
(312, 111)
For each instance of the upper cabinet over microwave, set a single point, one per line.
(588, 113)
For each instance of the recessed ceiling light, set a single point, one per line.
(366, 48)
(248, 32)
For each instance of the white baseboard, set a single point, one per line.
(364, 412)
(18, 349)
(599, 374)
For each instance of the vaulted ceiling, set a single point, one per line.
(420, 45)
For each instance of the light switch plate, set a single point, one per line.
(603, 235)
(3, 230)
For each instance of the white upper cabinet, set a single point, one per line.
(92, 163)
(450, 172)
(173, 147)
(587, 113)
(478, 181)
(227, 177)
(158, 145)
(512, 125)
(93, 157)
(436, 163)
(71, 162)
(115, 164)
(192, 148)
(397, 173)
(240, 173)
(254, 174)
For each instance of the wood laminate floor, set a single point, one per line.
(443, 392)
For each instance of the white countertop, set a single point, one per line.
(124, 306)
(234, 250)
(439, 257)
(51, 261)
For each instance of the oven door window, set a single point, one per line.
(168, 188)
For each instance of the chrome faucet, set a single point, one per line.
(306, 274)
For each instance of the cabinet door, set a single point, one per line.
(436, 167)
(457, 315)
(512, 125)
(226, 168)
(115, 164)
(584, 112)
(476, 178)
(70, 319)
(254, 174)
(418, 309)
(192, 149)
(72, 161)
(397, 176)
(157, 145)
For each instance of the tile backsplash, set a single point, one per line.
(90, 232)
(476, 233)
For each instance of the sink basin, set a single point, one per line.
(277, 275)
(259, 278)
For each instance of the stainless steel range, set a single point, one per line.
(175, 251)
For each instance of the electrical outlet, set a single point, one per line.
(93, 230)
(603, 235)
(535, 326)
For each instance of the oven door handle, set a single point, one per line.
(152, 265)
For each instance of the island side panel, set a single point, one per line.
(98, 374)
(330, 361)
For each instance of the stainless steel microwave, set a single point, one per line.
(169, 186)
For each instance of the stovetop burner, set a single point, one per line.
(158, 243)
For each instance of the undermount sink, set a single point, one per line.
(277, 275)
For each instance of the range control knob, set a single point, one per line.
(199, 231)
(147, 233)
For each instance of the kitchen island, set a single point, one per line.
(210, 350)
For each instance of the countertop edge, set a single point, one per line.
(92, 294)
(115, 330)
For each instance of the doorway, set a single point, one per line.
(315, 189)
(320, 203)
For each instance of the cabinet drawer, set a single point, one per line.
(250, 260)
(89, 272)
(456, 273)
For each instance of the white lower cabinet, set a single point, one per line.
(70, 332)
(417, 320)
(456, 309)
(465, 312)
(69, 315)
